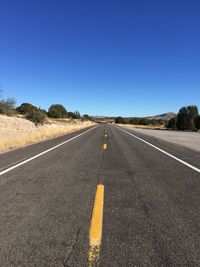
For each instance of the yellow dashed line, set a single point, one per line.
(105, 146)
(96, 227)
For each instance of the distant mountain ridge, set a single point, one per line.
(164, 116)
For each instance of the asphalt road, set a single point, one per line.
(151, 214)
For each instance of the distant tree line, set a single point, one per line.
(35, 114)
(139, 121)
(55, 111)
(188, 118)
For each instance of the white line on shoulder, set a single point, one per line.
(163, 151)
(44, 152)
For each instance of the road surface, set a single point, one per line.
(102, 196)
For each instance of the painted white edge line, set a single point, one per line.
(44, 152)
(163, 151)
(12, 164)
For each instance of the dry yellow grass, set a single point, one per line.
(17, 132)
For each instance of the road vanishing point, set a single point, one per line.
(102, 196)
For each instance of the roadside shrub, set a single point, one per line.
(134, 121)
(7, 106)
(36, 116)
(57, 111)
(26, 108)
(144, 121)
(43, 110)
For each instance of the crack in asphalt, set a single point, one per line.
(65, 262)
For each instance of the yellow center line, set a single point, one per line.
(105, 146)
(96, 227)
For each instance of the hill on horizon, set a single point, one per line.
(164, 116)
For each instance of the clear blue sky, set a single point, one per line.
(129, 58)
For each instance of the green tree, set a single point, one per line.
(192, 113)
(57, 111)
(171, 124)
(77, 115)
(86, 117)
(197, 123)
(182, 119)
(119, 120)
(71, 115)
(186, 118)
(26, 108)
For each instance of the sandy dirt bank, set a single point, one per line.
(17, 132)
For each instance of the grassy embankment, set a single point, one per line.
(17, 132)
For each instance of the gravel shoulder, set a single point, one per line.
(190, 140)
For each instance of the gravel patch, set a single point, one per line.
(187, 139)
